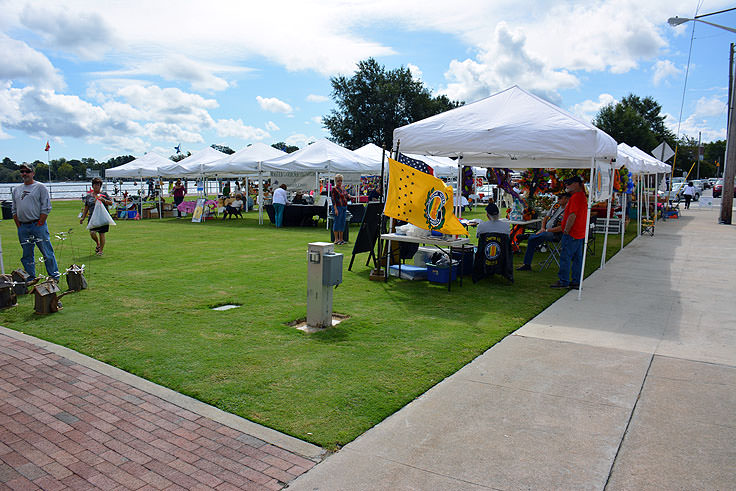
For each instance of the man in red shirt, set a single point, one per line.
(574, 223)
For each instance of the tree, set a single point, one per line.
(223, 149)
(66, 171)
(116, 161)
(715, 152)
(179, 156)
(373, 102)
(9, 164)
(636, 122)
(284, 147)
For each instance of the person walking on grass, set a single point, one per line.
(90, 201)
(340, 208)
(31, 207)
(574, 222)
(178, 191)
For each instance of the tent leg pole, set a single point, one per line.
(260, 195)
(623, 217)
(587, 230)
(608, 220)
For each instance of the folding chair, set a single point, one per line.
(647, 227)
(554, 254)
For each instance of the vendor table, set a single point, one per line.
(298, 215)
(444, 245)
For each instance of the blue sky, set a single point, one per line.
(101, 79)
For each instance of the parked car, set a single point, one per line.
(718, 188)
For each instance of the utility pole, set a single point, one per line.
(729, 171)
(700, 155)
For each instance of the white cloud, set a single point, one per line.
(84, 33)
(236, 128)
(271, 126)
(692, 125)
(317, 120)
(21, 62)
(587, 109)
(300, 140)
(125, 119)
(505, 62)
(317, 98)
(176, 67)
(274, 105)
(416, 73)
(710, 106)
(664, 69)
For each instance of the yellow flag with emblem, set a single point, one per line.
(420, 199)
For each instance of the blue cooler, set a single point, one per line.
(442, 273)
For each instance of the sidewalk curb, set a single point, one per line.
(276, 438)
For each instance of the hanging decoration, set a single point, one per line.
(502, 179)
(468, 181)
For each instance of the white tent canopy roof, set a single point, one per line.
(145, 166)
(321, 156)
(192, 165)
(244, 161)
(443, 166)
(512, 128)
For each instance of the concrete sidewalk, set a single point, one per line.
(634, 387)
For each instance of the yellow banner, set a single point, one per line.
(420, 199)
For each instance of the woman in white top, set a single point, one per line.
(279, 203)
(688, 193)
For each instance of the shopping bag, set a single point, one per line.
(100, 217)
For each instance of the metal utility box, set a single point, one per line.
(324, 269)
(332, 269)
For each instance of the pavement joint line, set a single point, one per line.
(560, 396)
(428, 471)
(276, 438)
(628, 422)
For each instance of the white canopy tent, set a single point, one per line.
(145, 166)
(321, 156)
(140, 168)
(244, 161)
(192, 165)
(511, 129)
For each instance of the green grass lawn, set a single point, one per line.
(148, 311)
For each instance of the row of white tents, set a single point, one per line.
(321, 156)
(511, 129)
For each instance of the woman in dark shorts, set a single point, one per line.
(97, 234)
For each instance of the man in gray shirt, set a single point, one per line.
(31, 207)
(493, 225)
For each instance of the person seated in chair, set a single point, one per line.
(551, 230)
(299, 199)
(492, 225)
(235, 208)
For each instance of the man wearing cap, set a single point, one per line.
(493, 225)
(574, 223)
(551, 229)
(31, 207)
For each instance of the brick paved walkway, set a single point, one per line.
(66, 426)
